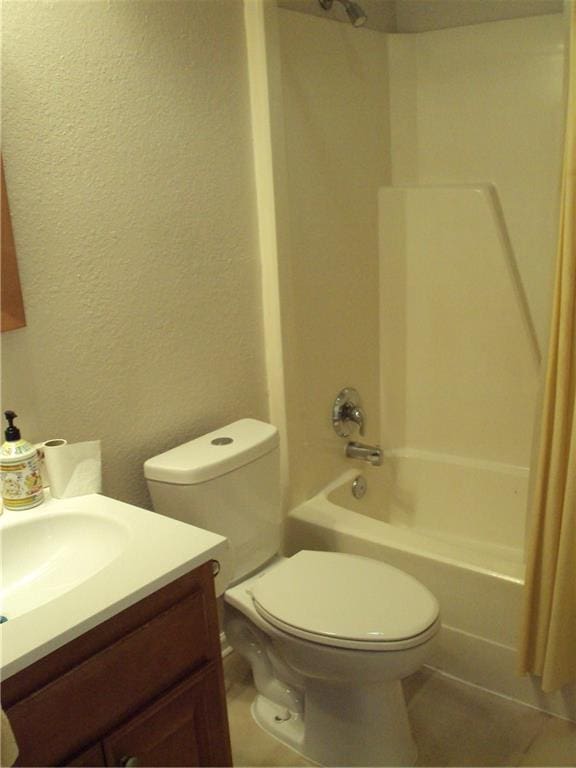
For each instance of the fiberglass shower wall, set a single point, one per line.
(468, 235)
(422, 176)
(336, 127)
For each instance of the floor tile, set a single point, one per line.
(554, 745)
(458, 725)
(413, 684)
(237, 675)
(251, 746)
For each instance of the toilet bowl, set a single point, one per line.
(329, 636)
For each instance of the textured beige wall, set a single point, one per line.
(126, 141)
(334, 80)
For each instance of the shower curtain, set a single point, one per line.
(548, 644)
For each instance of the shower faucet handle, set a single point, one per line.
(346, 411)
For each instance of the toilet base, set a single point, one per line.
(349, 725)
(345, 725)
(284, 725)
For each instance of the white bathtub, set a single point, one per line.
(457, 525)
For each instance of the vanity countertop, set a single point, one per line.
(70, 564)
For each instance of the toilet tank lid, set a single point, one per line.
(213, 454)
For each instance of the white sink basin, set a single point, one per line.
(70, 564)
(46, 555)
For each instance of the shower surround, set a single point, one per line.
(421, 201)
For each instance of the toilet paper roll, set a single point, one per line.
(40, 448)
(73, 469)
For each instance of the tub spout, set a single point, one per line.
(370, 453)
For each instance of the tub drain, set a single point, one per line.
(359, 487)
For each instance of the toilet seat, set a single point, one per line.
(346, 601)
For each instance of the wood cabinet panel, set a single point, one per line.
(77, 708)
(130, 664)
(57, 663)
(93, 757)
(183, 728)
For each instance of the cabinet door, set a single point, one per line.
(186, 727)
(94, 756)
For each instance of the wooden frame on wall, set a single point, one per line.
(11, 294)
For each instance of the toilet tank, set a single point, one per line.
(227, 481)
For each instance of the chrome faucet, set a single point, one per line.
(370, 453)
(346, 410)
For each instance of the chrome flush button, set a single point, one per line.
(222, 441)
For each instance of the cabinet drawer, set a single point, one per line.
(83, 704)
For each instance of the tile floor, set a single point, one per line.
(454, 725)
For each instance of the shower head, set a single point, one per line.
(355, 13)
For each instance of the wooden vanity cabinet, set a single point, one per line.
(143, 688)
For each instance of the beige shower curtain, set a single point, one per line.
(549, 629)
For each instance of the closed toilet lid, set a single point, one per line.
(346, 601)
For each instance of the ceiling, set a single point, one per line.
(425, 15)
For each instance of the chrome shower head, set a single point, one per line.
(355, 13)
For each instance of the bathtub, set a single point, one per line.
(457, 525)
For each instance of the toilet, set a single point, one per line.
(329, 636)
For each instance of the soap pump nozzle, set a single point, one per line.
(11, 433)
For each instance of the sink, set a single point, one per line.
(70, 564)
(46, 555)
